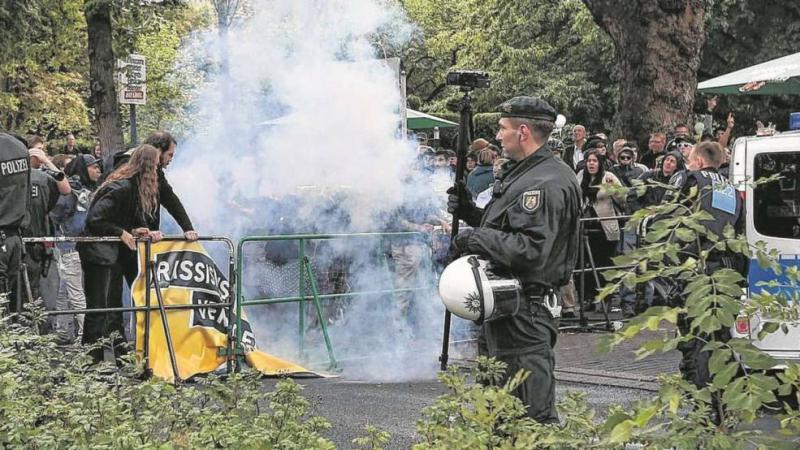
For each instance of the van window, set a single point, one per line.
(777, 204)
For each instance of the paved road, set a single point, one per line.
(396, 407)
(608, 378)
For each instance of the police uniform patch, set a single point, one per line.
(531, 200)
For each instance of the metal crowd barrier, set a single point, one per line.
(584, 254)
(150, 275)
(306, 272)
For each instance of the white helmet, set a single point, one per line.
(469, 289)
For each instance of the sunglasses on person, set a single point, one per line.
(625, 158)
(685, 145)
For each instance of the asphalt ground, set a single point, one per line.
(396, 407)
(350, 404)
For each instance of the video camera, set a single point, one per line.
(469, 79)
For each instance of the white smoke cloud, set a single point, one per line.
(304, 103)
(300, 134)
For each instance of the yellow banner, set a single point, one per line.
(187, 275)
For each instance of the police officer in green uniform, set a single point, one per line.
(529, 228)
(14, 198)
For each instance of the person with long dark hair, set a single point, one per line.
(604, 235)
(126, 205)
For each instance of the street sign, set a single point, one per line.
(132, 80)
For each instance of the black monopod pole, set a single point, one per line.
(464, 137)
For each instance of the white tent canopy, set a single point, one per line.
(776, 77)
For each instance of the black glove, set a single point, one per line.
(459, 200)
(460, 245)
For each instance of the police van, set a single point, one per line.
(773, 216)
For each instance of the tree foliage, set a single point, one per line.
(549, 48)
(742, 33)
(51, 399)
(556, 50)
(44, 73)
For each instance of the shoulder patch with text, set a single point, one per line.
(532, 200)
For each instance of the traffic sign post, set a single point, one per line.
(133, 87)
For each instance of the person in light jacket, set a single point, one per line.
(603, 235)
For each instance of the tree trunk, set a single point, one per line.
(658, 47)
(103, 92)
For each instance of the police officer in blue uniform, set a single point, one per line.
(718, 197)
(529, 230)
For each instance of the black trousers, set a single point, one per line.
(10, 254)
(526, 341)
(102, 285)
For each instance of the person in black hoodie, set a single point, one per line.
(668, 166)
(166, 145)
(126, 205)
(671, 164)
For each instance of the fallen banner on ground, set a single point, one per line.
(187, 275)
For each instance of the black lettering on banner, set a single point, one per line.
(191, 270)
(216, 318)
(198, 273)
(219, 318)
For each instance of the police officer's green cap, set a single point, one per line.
(527, 108)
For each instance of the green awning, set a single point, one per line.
(420, 121)
(777, 77)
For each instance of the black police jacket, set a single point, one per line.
(530, 227)
(14, 183)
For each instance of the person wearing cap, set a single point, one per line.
(528, 230)
(47, 184)
(15, 186)
(69, 217)
(682, 143)
(626, 169)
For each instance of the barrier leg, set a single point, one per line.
(301, 331)
(603, 305)
(239, 349)
(315, 292)
(26, 283)
(22, 284)
(232, 280)
(582, 319)
(148, 281)
(165, 324)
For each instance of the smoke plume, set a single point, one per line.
(296, 130)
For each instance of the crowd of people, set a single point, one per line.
(596, 161)
(523, 202)
(71, 194)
